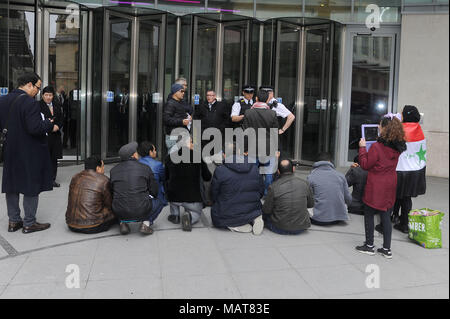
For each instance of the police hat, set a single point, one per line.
(248, 89)
(267, 88)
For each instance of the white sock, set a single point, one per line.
(147, 223)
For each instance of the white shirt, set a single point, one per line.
(236, 108)
(281, 110)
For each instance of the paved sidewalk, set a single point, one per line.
(213, 263)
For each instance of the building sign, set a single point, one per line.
(109, 96)
(197, 99)
(280, 100)
(3, 91)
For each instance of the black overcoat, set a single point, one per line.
(27, 168)
(54, 138)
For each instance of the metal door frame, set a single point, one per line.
(392, 31)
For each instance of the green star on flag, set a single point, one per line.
(421, 154)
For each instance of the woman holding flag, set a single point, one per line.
(411, 167)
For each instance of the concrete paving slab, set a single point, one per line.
(51, 269)
(312, 256)
(436, 265)
(142, 288)
(84, 248)
(2, 289)
(51, 290)
(215, 286)
(9, 268)
(247, 260)
(337, 280)
(273, 284)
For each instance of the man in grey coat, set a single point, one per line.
(285, 210)
(330, 192)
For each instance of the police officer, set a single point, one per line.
(284, 116)
(238, 109)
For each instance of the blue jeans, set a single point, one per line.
(268, 224)
(268, 166)
(171, 141)
(194, 208)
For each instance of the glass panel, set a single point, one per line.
(287, 83)
(315, 94)
(370, 87)
(147, 81)
(268, 52)
(206, 59)
(185, 51)
(389, 10)
(181, 6)
(241, 7)
(170, 43)
(254, 54)
(21, 45)
(233, 61)
(97, 94)
(267, 9)
(337, 10)
(63, 76)
(119, 83)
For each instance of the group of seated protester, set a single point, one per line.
(140, 186)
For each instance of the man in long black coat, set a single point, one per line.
(27, 167)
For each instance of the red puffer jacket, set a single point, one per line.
(380, 162)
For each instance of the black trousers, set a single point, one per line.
(54, 167)
(405, 204)
(369, 225)
(94, 230)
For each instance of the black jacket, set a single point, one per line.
(356, 177)
(261, 118)
(183, 179)
(131, 185)
(173, 115)
(217, 117)
(287, 201)
(54, 138)
(236, 190)
(27, 167)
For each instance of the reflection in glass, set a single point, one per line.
(147, 81)
(315, 107)
(205, 59)
(97, 94)
(18, 48)
(389, 10)
(287, 83)
(119, 81)
(338, 10)
(182, 7)
(63, 76)
(241, 7)
(233, 61)
(370, 86)
(267, 9)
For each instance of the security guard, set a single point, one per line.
(238, 109)
(284, 116)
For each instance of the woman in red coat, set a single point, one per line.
(379, 194)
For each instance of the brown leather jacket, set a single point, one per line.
(90, 200)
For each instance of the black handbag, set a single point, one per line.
(4, 131)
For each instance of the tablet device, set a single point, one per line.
(370, 133)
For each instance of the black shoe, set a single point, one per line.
(366, 249)
(124, 229)
(12, 227)
(386, 253)
(379, 228)
(35, 227)
(174, 219)
(404, 229)
(186, 222)
(55, 184)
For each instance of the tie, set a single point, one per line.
(50, 106)
(209, 105)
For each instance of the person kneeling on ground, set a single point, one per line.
(356, 177)
(287, 202)
(135, 191)
(237, 189)
(89, 205)
(330, 191)
(183, 185)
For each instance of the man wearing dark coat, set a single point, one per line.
(27, 166)
(51, 109)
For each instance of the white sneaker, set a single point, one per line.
(242, 229)
(258, 225)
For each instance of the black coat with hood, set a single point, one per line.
(236, 190)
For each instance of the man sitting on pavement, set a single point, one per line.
(89, 205)
(288, 199)
(356, 177)
(330, 191)
(135, 191)
(148, 154)
(237, 188)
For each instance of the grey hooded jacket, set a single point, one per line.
(330, 192)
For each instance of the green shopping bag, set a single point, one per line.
(425, 227)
